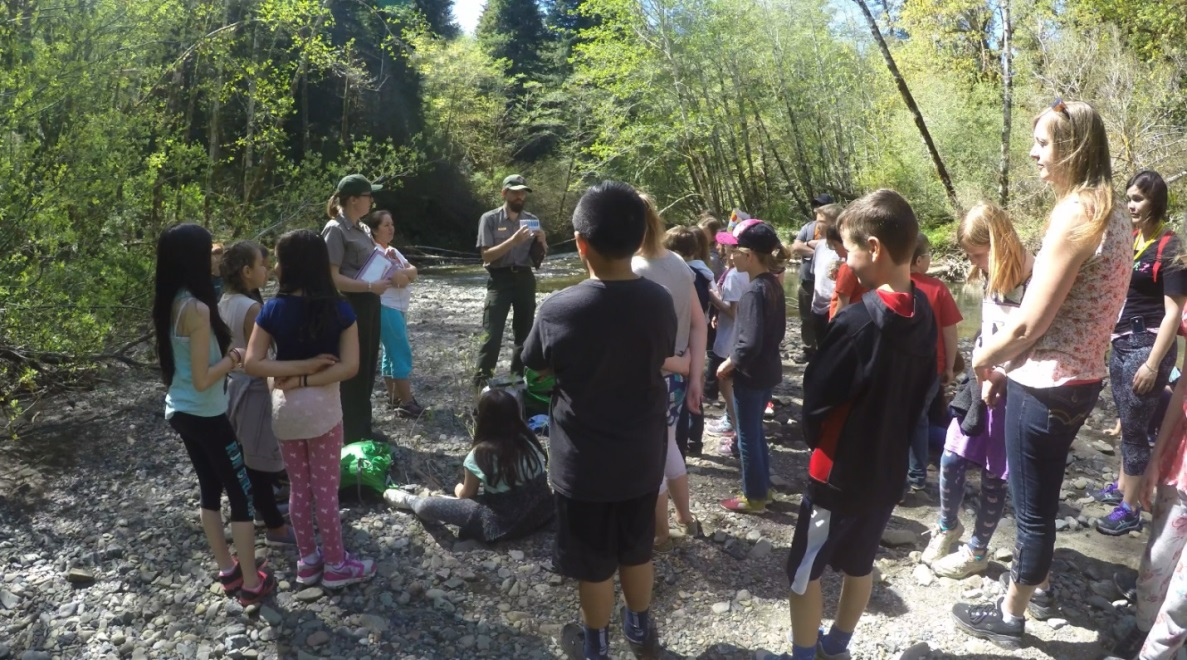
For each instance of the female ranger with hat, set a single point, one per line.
(505, 239)
(350, 246)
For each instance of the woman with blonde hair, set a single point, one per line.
(976, 438)
(684, 371)
(1050, 355)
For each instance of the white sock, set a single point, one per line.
(1006, 616)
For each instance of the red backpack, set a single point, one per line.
(1166, 238)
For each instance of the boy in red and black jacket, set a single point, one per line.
(863, 393)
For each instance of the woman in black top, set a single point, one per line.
(1144, 343)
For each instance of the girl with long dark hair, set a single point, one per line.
(504, 492)
(195, 358)
(312, 330)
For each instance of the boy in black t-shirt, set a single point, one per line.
(863, 393)
(605, 340)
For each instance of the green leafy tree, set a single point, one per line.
(513, 30)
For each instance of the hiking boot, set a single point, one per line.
(961, 564)
(742, 505)
(1122, 520)
(941, 543)
(645, 646)
(409, 410)
(1043, 604)
(1108, 495)
(350, 571)
(266, 586)
(310, 572)
(984, 621)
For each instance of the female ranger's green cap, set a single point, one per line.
(356, 184)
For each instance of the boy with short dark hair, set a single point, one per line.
(863, 392)
(947, 316)
(608, 428)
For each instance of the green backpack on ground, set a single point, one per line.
(366, 464)
(538, 392)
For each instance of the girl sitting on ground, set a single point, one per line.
(504, 491)
(988, 238)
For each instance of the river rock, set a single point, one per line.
(761, 550)
(897, 538)
(721, 608)
(309, 594)
(923, 575)
(917, 651)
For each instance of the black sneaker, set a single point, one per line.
(410, 410)
(1127, 583)
(646, 648)
(984, 621)
(573, 642)
(1043, 604)
(1130, 646)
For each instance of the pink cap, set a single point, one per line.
(731, 238)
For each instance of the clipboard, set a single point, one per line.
(377, 269)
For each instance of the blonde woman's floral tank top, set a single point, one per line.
(1073, 348)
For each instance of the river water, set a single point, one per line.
(565, 270)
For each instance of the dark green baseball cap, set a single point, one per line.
(356, 184)
(516, 182)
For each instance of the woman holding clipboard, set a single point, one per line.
(350, 246)
(396, 356)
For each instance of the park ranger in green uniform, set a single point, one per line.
(511, 241)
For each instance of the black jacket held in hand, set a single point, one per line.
(863, 394)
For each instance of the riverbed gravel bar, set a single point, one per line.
(101, 554)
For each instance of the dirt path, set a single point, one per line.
(102, 486)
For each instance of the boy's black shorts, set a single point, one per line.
(822, 538)
(594, 538)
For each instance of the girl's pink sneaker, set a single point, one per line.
(349, 572)
(309, 573)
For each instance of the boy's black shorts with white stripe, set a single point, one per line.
(848, 543)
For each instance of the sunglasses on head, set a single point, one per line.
(1059, 106)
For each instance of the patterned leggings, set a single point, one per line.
(1162, 578)
(1130, 352)
(313, 469)
(990, 506)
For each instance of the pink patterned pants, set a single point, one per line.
(1162, 578)
(313, 469)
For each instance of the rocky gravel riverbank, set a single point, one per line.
(101, 555)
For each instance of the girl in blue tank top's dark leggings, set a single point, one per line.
(191, 342)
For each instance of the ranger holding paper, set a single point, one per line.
(512, 243)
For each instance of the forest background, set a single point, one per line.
(120, 117)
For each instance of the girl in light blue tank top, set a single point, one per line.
(182, 395)
(191, 341)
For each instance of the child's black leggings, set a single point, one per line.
(218, 462)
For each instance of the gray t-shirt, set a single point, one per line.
(494, 228)
(671, 272)
(807, 233)
(349, 244)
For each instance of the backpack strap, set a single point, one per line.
(1166, 238)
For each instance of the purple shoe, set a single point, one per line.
(309, 573)
(1108, 495)
(1122, 520)
(348, 572)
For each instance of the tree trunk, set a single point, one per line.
(1003, 170)
(909, 100)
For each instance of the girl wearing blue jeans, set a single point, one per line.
(754, 362)
(395, 351)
